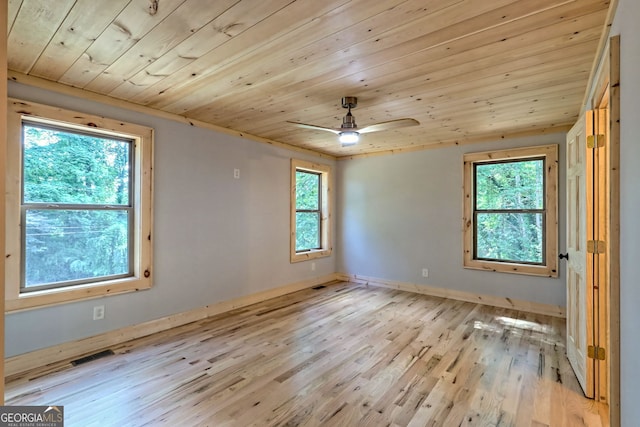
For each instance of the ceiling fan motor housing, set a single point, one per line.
(349, 102)
(348, 122)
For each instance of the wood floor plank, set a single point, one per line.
(343, 355)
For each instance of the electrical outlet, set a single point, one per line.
(98, 312)
(425, 272)
(236, 173)
(313, 266)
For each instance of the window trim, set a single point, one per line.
(325, 228)
(142, 137)
(549, 267)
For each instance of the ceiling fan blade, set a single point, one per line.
(392, 124)
(314, 127)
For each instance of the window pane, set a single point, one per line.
(65, 245)
(511, 185)
(307, 230)
(66, 167)
(307, 191)
(509, 237)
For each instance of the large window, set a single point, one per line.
(309, 211)
(78, 206)
(76, 209)
(510, 210)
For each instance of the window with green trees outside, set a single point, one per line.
(511, 210)
(308, 212)
(78, 206)
(310, 226)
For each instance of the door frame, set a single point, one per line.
(613, 241)
(604, 87)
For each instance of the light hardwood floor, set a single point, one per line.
(343, 355)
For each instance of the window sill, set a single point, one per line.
(38, 299)
(506, 267)
(305, 256)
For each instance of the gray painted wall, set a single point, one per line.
(626, 25)
(398, 214)
(215, 238)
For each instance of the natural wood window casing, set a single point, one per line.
(139, 274)
(546, 211)
(320, 208)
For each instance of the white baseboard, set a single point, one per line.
(21, 363)
(504, 302)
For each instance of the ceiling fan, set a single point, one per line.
(349, 133)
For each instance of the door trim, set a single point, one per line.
(613, 204)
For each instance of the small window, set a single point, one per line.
(309, 211)
(510, 211)
(78, 206)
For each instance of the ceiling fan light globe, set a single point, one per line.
(349, 138)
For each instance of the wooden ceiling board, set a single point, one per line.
(12, 11)
(251, 70)
(259, 38)
(125, 31)
(468, 70)
(468, 51)
(464, 110)
(239, 18)
(35, 23)
(380, 45)
(426, 72)
(480, 81)
(517, 81)
(187, 19)
(75, 36)
(339, 72)
(425, 86)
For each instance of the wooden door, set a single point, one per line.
(579, 298)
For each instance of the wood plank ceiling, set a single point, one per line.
(465, 69)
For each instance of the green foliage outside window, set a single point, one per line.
(76, 204)
(509, 211)
(308, 213)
